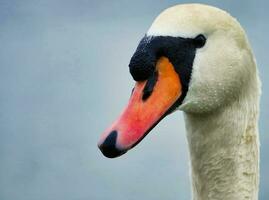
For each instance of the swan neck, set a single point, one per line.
(224, 152)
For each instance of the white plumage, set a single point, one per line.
(222, 105)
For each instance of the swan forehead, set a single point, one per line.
(188, 20)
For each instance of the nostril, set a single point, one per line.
(108, 147)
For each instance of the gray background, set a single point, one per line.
(64, 79)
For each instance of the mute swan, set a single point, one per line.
(197, 59)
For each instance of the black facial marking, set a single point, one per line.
(150, 85)
(180, 52)
(143, 62)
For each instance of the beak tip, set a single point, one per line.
(109, 148)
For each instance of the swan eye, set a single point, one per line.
(199, 41)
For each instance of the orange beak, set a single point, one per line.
(142, 113)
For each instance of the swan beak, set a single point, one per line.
(149, 103)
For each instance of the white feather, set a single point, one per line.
(222, 105)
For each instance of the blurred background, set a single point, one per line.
(64, 78)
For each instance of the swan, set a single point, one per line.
(196, 58)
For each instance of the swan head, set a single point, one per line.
(194, 58)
